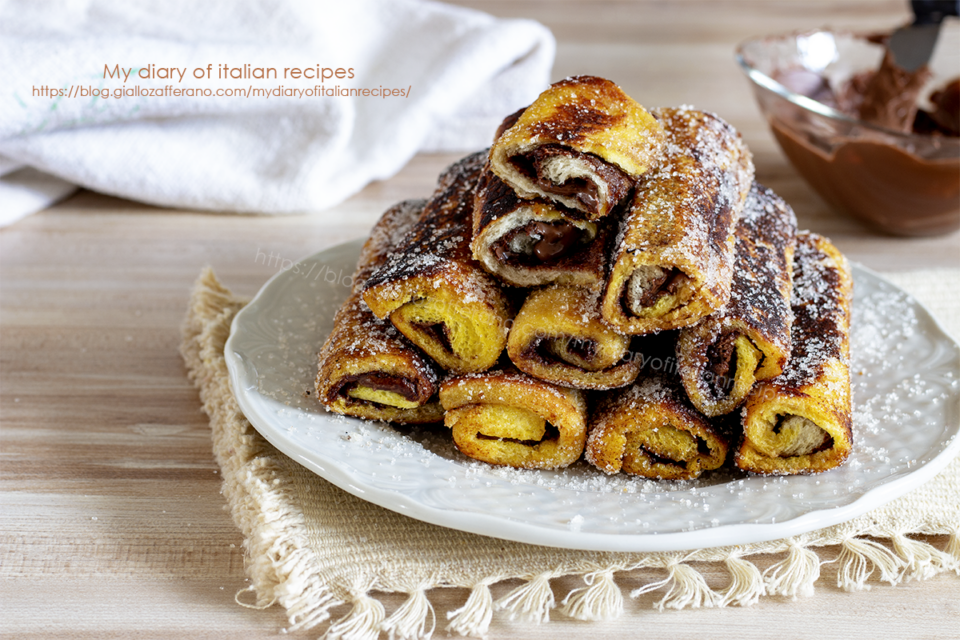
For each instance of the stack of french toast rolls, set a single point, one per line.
(607, 283)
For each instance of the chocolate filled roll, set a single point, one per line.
(431, 288)
(582, 143)
(366, 368)
(506, 417)
(650, 429)
(558, 336)
(748, 339)
(672, 262)
(529, 243)
(800, 421)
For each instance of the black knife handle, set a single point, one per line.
(934, 11)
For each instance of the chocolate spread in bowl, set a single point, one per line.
(882, 178)
(891, 94)
(945, 115)
(879, 183)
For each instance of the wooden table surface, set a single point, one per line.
(112, 520)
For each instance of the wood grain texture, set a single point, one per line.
(112, 521)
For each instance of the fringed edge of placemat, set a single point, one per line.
(282, 568)
(795, 575)
(277, 558)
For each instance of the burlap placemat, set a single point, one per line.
(310, 546)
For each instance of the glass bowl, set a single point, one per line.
(904, 184)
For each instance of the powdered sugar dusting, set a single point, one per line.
(441, 237)
(385, 236)
(759, 304)
(761, 289)
(820, 308)
(883, 342)
(686, 208)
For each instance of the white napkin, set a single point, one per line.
(461, 72)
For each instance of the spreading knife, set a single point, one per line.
(912, 45)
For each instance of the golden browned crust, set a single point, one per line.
(366, 368)
(748, 339)
(581, 143)
(650, 430)
(395, 223)
(441, 234)
(673, 258)
(558, 336)
(431, 288)
(800, 422)
(506, 417)
(529, 243)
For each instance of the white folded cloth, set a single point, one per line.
(460, 72)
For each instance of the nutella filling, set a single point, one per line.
(439, 332)
(651, 287)
(579, 352)
(583, 349)
(537, 242)
(808, 439)
(378, 382)
(721, 364)
(703, 449)
(550, 433)
(658, 459)
(535, 166)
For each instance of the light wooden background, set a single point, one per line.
(112, 525)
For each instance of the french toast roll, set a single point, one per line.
(433, 291)
(582, 143)
(366, 368)
(505, 417)
(800, 422)
(649, 429)
(534, 242)
(672, 262)
(748, 339)
(559, 336)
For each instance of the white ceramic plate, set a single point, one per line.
(906, 380)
